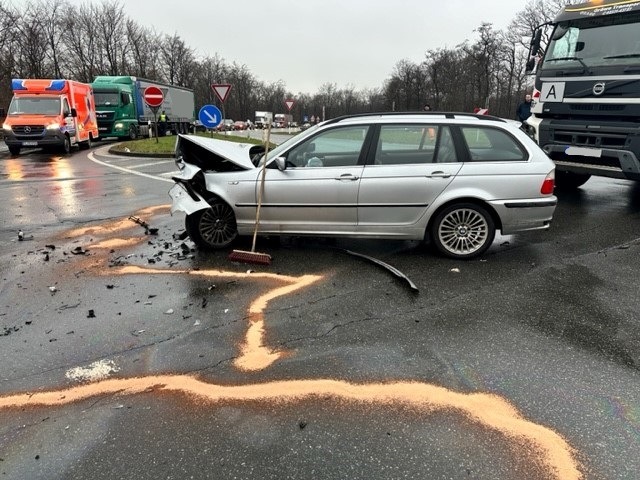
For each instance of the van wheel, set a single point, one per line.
(213, 228)
(463, 231)
(133, 134)
(14, 149)
(66, 145)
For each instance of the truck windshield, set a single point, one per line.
(34, 106)
(594, 42)
(106, 99)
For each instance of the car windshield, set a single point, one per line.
(594, 42)
(34, 106)
(105, 99)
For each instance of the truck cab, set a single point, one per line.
(116, 107)
(50, 113)
(586, 101)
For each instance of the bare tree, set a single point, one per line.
(84, 55)
(111, 36)
(53, 13)
(178, 60)
(143, 50)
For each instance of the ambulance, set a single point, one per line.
(50, 113)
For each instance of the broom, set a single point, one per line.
(253, 256)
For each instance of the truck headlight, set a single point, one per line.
(119, 126)
(53, 126)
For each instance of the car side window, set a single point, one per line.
(446, 151)
(66, 111)
(406, 144)
(338, 147)
(491, 144)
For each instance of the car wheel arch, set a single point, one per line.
(473, 200)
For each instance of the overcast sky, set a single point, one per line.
(310, 42)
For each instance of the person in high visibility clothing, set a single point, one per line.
(162, 124)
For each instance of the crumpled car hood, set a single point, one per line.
(218, 155)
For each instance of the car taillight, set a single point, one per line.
(548, 184)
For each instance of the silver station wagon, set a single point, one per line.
(451, 179)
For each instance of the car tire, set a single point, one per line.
(570, 180)
(213, 228)
(14, 150)
(66, 145)
(462, 231)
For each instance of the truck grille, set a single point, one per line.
(28, 130)
(105, 116)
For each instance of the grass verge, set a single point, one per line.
(166, 145)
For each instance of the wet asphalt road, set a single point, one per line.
(162, 362)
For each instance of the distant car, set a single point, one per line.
(305, 125)
(239, 125)
(225, 124)
(198, 126)
(450, 179)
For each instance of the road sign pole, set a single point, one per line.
(155, 122)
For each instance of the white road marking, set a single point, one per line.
(92, 157)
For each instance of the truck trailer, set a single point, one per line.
(123, 113)
(50, 113)
(586, 101)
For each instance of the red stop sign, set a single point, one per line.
(153, 96)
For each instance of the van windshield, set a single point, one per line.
(34, 106)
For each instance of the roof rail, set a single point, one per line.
(449, 115)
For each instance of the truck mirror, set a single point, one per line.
(531, 65)
(74, 113)
(124, 98)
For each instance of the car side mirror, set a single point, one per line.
(281, 163)
(74, 113)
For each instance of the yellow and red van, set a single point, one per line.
(50, 113)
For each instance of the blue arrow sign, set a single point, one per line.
(210, 116)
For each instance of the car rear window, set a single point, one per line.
(488, 144)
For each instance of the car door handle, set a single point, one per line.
(439, 174)
(347, 176)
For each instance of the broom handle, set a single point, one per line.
(262, 175)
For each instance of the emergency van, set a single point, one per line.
(50, 113)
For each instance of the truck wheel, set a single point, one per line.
(14, 150)
(213, 228)
(570, 180)
(66, 145)
(133, 134)
(462, 231)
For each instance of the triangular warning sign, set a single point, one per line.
(221, 90)
(289, 104)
